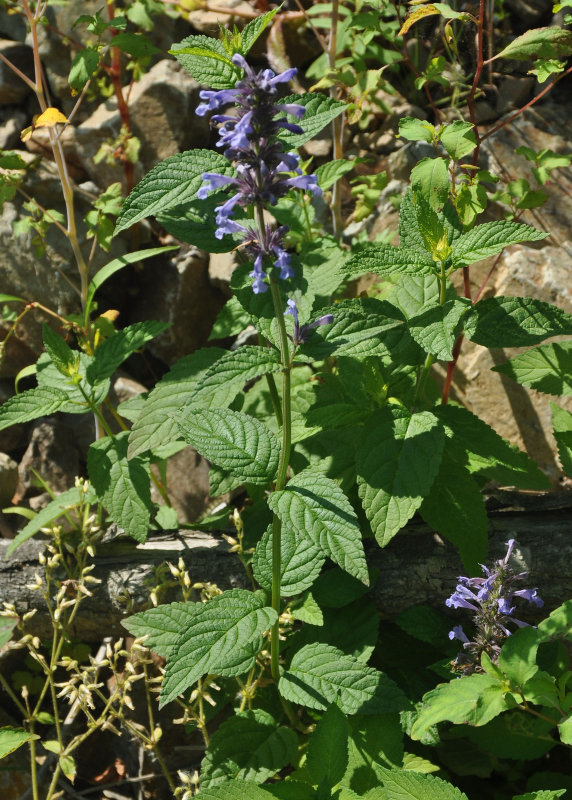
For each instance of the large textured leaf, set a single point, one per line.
(489, 239)
(161, 625)
(315, 506)
(221, 383)
(34, 403)
(176, 389)
(468, 700)
(171, 183)
(320, 675)
(248, 746)
(359, 329)
(486, 453)
(384, 260)
(517, 657)
(254, 29)
(408, 785)
(238, 443)
(409, 233)
(374, 742)
(430, 178)
(547, 368)
(234, 790)
(49, 376)
(327, 755)
(320, 111)
(458, 139)
(562, 421)
(121, 484)
(223, 637)
(398, 459)
(436, 327)
(300, 563)
(515, 322)
(207, 61)
(550, 42)
(455, 508)
(113, 351)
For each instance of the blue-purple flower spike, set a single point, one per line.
(491, 601)
(249, 139)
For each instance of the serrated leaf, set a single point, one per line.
(408, 785)
(82, 68)
(512, 735)
(543, 794)
(409, 234)
(455, 508)
(489, 239)
(12, 738)
(320, 111)
(31, 404)
(374, 742)
(562, 421)
(236, 442)
(436, 328)
(558, 624)
(458, 139)
(231, 320)
(221, 383)
(468, 700)
(113, 351)
(359, 329)
(515, 322)
(327, 755)
(161, 625)
(121, 484)
(251, 32)
(517, 657)
(50, 377)
(53, 511)
(223, 637)
(207, 61)
(61, 355)
(135, 44)
(175, 390)
(416, 130)
(353, 629)
(488, 454)
(398, 460)
(320, 675)
(551, 42)
(565, 730)
(247, 746)
(300, 563)
(315, 506)
(430, 177)
(171, 183)
(307, 610)
(234, 790)
(195, 223)
(547, 368)
(386, 260)
(332, 171)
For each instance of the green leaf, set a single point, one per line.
(486, 453)
(118, 263)
(332, 171)
(458, 139)
(307, 610)
(468, 700)
(398, 459)
(386, 260)
(562, 421)
(231, 320)
(353, 629)
(223, 637)
(61, 355)
(436, 328)
(236, 442)
(539, 43)
(517, 657)
(320, 111)
(489, 239)
(13, 738)
(121, 484)
(300, 563)
(545, 67)
(416, 130)
(455, 508)
(375, 742)
(50, 377)
(409, 235)
(314, 505)
(248, 746)
(547, 368)
(360, 329)
(68, 767)
(565, 730)
(514, 735)
(7, 625)
(515, 322)
(544, 794)
(335, 589)
(254, 29)
(320, 675)
(408, 785)
(430, 177)
(29, 405)
(207, 61)
(82, 68)
(54, 510)
(558, 624)
(135, 44)
(113, 351)
(171, 183)
(327, 755)
(195, 223)
(226, 377)
(161, 625)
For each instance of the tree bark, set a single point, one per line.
(416, 567)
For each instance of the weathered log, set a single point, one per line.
(416, 567)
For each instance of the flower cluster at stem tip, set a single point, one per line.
(490, 599)
(263, 169)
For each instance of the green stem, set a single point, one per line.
(274, 396)
(430, 360)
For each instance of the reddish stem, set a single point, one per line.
(414, 69)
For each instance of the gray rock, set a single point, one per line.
(53, 454)
(187, 484)
(221, 267)
(514, 92)
(529, 13)
(12, 88)
(12, 122)
(8, 479)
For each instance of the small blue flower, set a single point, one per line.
(302, 332)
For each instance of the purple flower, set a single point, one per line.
(302, 332)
